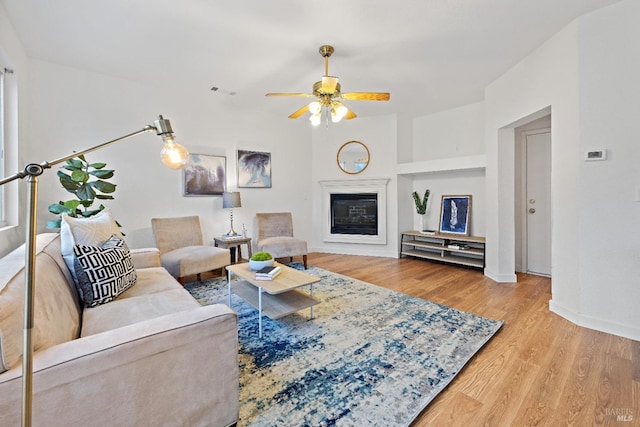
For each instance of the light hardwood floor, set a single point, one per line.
(538, 370)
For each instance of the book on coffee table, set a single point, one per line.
(268, 273)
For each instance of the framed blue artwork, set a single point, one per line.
(254, 169)
(455, 215)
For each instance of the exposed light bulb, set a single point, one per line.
(315, 119)
(335, 117)
(173, 155)
(314, 107)
(341, 110)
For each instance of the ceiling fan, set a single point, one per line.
(328, 96)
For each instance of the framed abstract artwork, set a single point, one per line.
(204, 175)
(254, 169)
(455, 215)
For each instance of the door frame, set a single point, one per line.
(524, 261)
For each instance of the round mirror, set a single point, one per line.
(353, 157)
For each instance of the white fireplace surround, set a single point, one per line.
(355, 186)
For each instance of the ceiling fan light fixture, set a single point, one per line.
(328, 94)
(335, 117)
(341, 110)
(315, 119)
(315, 107)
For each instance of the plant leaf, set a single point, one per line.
(68, 184)
(91, 212)
(54, 223)
(79, 176)
(104, 186)
(86, 193)
(57, 208)
(71, 205)
(104, 197)
(75, 163)
(103, 174)
(97, 165)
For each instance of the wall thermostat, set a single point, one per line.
(598, 154)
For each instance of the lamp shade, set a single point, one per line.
(231, 199)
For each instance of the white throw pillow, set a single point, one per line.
(91, 231)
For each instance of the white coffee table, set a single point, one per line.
(275, 298)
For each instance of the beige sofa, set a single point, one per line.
(151, 357)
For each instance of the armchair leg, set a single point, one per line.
(181, 280)
(198, 276)
(304, 261)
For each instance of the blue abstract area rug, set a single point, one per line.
(371, 356)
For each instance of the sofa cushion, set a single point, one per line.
(155, 294)
(103, 272)
(57, 313)
(91, 231)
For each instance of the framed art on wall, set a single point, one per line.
(254, 169)
(455, 215)
(204, 175)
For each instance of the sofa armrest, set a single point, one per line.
(179, 369)
(146, 257)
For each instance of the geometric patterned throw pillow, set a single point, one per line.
(104, 271)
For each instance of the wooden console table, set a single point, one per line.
(462, 250)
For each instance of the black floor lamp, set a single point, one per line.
(173, 155)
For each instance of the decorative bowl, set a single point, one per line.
(257, 265)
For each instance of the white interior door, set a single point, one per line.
(538, 202)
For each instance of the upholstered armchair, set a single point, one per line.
(182, 250)
(274, 234)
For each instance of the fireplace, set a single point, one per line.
(354, 213)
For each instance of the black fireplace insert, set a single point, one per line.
(355, 213)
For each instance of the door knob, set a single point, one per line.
(532, 210)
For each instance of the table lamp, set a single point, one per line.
(231, 200)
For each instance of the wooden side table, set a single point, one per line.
(232, 243)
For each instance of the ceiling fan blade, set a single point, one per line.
(329, 84)
(300, 112)
(350, 115)
(304, 95)
(366, 96)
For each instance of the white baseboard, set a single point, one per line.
(353, 251)
(626, 331)
(501, 278)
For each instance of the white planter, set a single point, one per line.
(257, 265)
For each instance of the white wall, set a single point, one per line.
(457, 132)
(587, 75)
(379, 135)
(547, 77)
(609, 225)
(73, 109)
(451, 133)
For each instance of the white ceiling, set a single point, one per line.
(430, 54)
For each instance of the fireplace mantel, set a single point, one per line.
(355, 186)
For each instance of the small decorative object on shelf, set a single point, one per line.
(421, 208)
(260, 260)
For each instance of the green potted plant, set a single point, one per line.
(421, 207)
(78, 181)
(260, 260)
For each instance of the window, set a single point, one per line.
(2, 72)
(3, 135)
